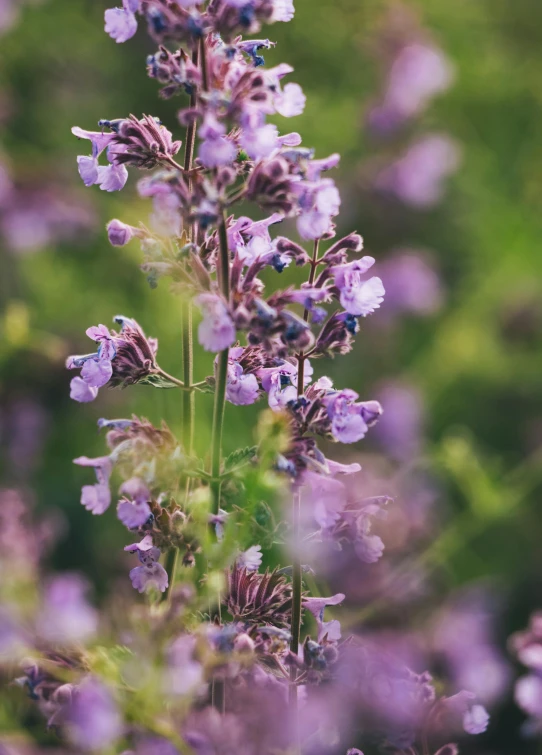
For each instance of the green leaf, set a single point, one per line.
(239, 458)
(157, 381)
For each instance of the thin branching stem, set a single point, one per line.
(297, 583)
(186, 322)
(223, 271)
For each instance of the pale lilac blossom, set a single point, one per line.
(358, 295)
(94, 720)
(96, 498)
(350, 420)
(216, 330)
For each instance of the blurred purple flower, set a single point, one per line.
(251, 559)
(418, 177)
(215, 149)
(412, 284)
(418, 73)
(216, 330)
(66, 616)
(317, 606)
(400, 429)
(319, 202)
(93, 717)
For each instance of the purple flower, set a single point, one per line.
(259, 243)
(119, 234)
(241, 389)
(94, 720)
(359, 297)
(350, 420)
(400, 430)
(216, 331)
(150, 573)
(280, 382)
(417, 178)
(283, 10)
(66, 616)
(134, 513)
(323, 496)
(121, 23)
(290, 101)
(419, 72)
(319, 202)
(102, 336)
(215, 149)
(251, 559)
(110, 178)
(474, 717)
(476, 720)
(258, 139)
(528, 695)
(412, 284)
(96, 498)
(317, 607)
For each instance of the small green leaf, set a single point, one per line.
(239, 457)
(157, 381)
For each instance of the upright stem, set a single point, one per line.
(223, 273)
(188, 396)
(296, 516)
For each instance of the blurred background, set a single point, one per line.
(436, 108)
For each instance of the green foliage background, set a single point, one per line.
(478, 363)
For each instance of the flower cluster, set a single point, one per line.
(223, 658)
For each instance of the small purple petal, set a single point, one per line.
(133, 515)
(112, 177)
(88, 169)
(97, 372)
(476, 720)
(151, 575)
(82, 391)
(291, 101)
(96, 498)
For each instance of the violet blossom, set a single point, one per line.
(350, 420)
(150, 573)
(216, 331)
(96, 498)
(360, 297)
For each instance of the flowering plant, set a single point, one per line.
(215, 657)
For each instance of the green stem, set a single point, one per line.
(297, 583)
(188, 397)
(170, 566)
(223, 273)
